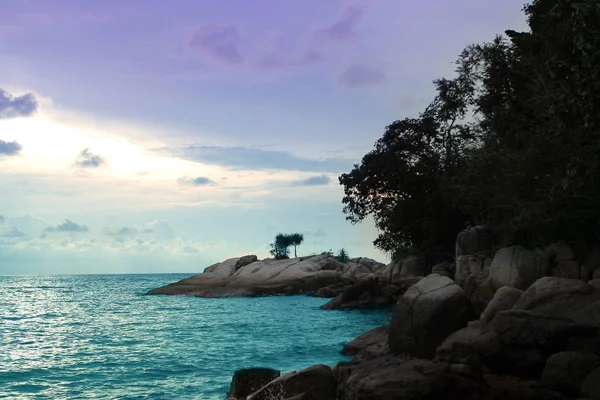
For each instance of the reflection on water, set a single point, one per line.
(98, 336)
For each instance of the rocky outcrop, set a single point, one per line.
(247, 276)
(426, 314)
(370, 293)
(552, 316)
(313, 383)
(369, 345)
(249, 380)
(392, 378)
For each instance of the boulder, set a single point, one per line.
(368, 294)
(370, 265)
(479, 290)
(369, 345)
(329, 291)
(412, 266)
(474, 240)
(392, 378)
(549, 294)
(518, 267)
(245, 260)
(504, 299)
(444, 269)
(314, 383)
(472, 264)
(249, 380)
(426, 314)
(566, 371)
(552, 316)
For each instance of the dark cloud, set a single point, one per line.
(86, 159)
(12, 233)
(244, 158)
(220, 43)
(199, 181)
(126, 231)
(67, 226)
(360, 76)
(9, 148)
(317, 180)
(343, 28)
(16, 106)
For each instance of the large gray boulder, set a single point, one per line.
(426, 314)
(371, 344)
(518, 267)
(553, 315)
(504, 299)
(566, 371)
(393, 378)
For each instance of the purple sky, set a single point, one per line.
(227, 120)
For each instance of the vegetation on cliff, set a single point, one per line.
(513, 140)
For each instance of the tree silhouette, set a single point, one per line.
(280, 248)
(296, 239)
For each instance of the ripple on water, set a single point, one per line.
(99, 337)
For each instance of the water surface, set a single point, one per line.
(98, 336)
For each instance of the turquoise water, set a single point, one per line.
(98, 336)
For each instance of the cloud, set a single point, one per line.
(12, 233)
(357, 76)
(32, 226)
(127, 231)
(86, 159)
(16, 106)
(162, 230)
(317, 180)
(344, 27)
(245, 158)
(219, 43)
(2, 218)
(199, 181)
(67, 226)
(9, 148)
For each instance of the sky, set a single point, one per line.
(152, 136)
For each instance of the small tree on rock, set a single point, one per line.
(343, 256)
(280, 248)
(295, 239)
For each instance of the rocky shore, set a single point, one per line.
(498, 323)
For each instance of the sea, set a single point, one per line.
(101, 337)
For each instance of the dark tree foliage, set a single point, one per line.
(280, 247)
(513, 141)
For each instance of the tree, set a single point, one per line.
(511, 141)
(280, 247)
(401, 182)
(295, 239)
(343, 256)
